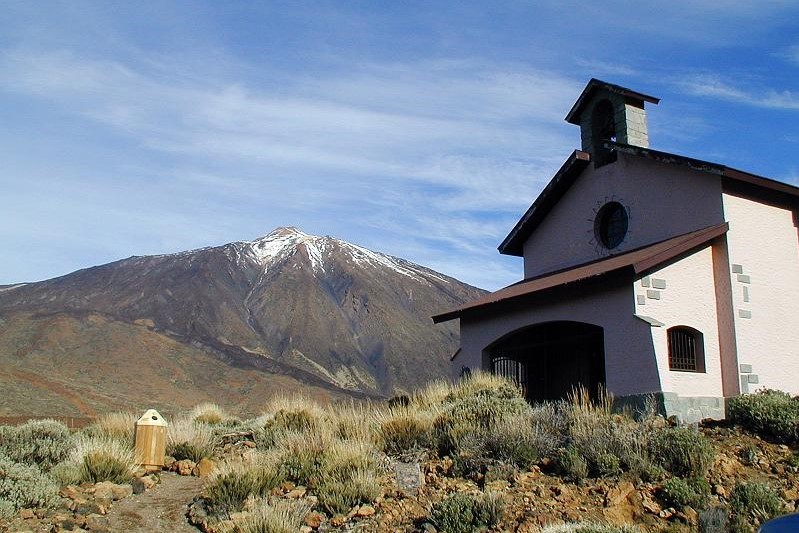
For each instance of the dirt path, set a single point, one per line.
(162, 508)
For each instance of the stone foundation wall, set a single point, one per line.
(687, 409)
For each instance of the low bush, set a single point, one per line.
(571, 464)
(402, 431)
(43, 443)
(341, 493)
(682, 451)
(101, 459)
(24, 486)
(188, 439)
(713, 520)
(608, 443)
(678, 493)
(233, 482)
(465, 513)
(769, 413)
(755, 501)
(277, 517)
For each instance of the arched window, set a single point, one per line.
(686, 349)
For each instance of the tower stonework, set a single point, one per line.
(607, 112)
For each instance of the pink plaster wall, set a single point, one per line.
(689, 299)
(662, 201)
(763, 240)
(630, 364)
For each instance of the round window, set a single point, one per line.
(610, 224)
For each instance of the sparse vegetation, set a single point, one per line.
(465, 513)
(276, 517)
(677, 492)
(769, 413)
(43, 443)
(682, 451)
(755, 501)
(24, 486)
(120, 426)
(187, 438)
(478, 443)
(101, 459)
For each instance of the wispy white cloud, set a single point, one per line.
(418, 141)
(713, 86)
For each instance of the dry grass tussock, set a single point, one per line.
(353, 421)
(100, 458)
(121, 426)
(210, 413)
(403, 430)
(189, 439)
(273, 517)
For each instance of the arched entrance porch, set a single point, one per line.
(548, 360)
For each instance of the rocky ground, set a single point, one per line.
(170, 501)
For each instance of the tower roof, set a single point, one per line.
(574, 114)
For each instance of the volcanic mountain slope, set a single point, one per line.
(231, 323)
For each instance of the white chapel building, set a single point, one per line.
(644, 272)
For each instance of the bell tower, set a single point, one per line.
(607, 112)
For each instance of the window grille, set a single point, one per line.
(516, 371)
(686, 349)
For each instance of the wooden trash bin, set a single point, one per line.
(151, 440)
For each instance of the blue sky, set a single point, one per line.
(420, 129)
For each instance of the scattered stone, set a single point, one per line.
(106, 490)
(365, 510)
(97, 523)
(667, 513)
(790, 495)
(169, 462)
(338, 520)
(314, 519)
(297, 493)
(619, 493)
(720, 491)
(204, 467)
(26, 514)
(184, 467)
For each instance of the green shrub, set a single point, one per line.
(101, 459)
(572, 465)
(682, 451)
(7, 509)
(769, 413)
(401, 431)
(339, 495)
(44, 443)
(67, 473)
(465, 513)
(231, 485)
(678, 493)
(482, 411)
(755, 501)
(25, 486)
(99, 466)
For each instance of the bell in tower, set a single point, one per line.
(607, 114)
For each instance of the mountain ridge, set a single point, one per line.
(317, 310)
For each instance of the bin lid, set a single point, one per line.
(151, 417)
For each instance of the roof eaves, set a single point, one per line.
(573, 117)
(661, 253)
(562, 180)
(692, 241)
